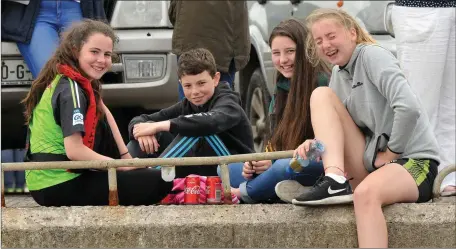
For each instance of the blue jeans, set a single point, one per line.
(14, 179)
(262, 187)
(53, 18)
(228, 77)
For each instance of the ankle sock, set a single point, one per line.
(338, 178)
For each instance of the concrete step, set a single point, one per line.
(278, 225)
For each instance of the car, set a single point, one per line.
(145, 76)
(256, 82)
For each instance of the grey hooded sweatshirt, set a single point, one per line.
(383, 105)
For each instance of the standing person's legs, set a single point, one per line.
(45, 38)
(68, 12)
(421, 50)
(425, 47)
(229, 76)
(19, 175)
(8, 157)
(446, 131)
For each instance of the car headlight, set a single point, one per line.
(143, 68)
(140, 14)
(388, 20)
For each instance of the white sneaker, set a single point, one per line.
(288, 190)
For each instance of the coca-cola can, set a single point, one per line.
(192, 190)
(213, 190)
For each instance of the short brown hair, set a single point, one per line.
(196, 61)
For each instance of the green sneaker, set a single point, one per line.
(9, 190)
(18, 190)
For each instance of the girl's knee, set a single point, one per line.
(322, 94)
(365, 195)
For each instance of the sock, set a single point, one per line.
(337, 178)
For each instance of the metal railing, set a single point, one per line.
(111, 166)
(223, 161)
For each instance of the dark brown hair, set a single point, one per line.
(67, 54)
(196, 61)
(292, 124)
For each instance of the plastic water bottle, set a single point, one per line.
(315, 151)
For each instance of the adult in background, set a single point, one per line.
(219, 26)
(425, 35)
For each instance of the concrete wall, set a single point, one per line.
(280, 225)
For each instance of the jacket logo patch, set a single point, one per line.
(357, 84)
(78, 118)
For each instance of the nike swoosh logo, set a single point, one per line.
(331, 192)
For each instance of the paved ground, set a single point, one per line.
(20, 201)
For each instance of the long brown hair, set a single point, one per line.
(342, 17)
(292, 109)
(67, 53)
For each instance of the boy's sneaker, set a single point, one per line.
(288, 190)
(326, 191)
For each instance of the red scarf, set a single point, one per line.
(91, 119)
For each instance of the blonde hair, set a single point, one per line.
(341, 17)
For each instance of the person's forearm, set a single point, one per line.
(81, 152)
(163, 125)
(115, 132)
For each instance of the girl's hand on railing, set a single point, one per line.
(247, 171)
(261, 166)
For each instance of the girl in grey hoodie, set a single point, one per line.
(375, 132)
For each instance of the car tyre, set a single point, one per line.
(257, 106)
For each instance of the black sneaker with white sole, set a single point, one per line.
(326, 191)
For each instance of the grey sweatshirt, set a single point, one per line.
(383, 105)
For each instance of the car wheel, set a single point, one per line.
(257, 103)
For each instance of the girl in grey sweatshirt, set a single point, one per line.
(372, 125)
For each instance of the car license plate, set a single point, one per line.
(15, 72)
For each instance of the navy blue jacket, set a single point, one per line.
(18, 20)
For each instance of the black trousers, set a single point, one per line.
(179, 146)
(135, 187)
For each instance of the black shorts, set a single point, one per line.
(424, 172)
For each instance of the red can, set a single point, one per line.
(213, 190)
(192, 190)
(166, 200)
